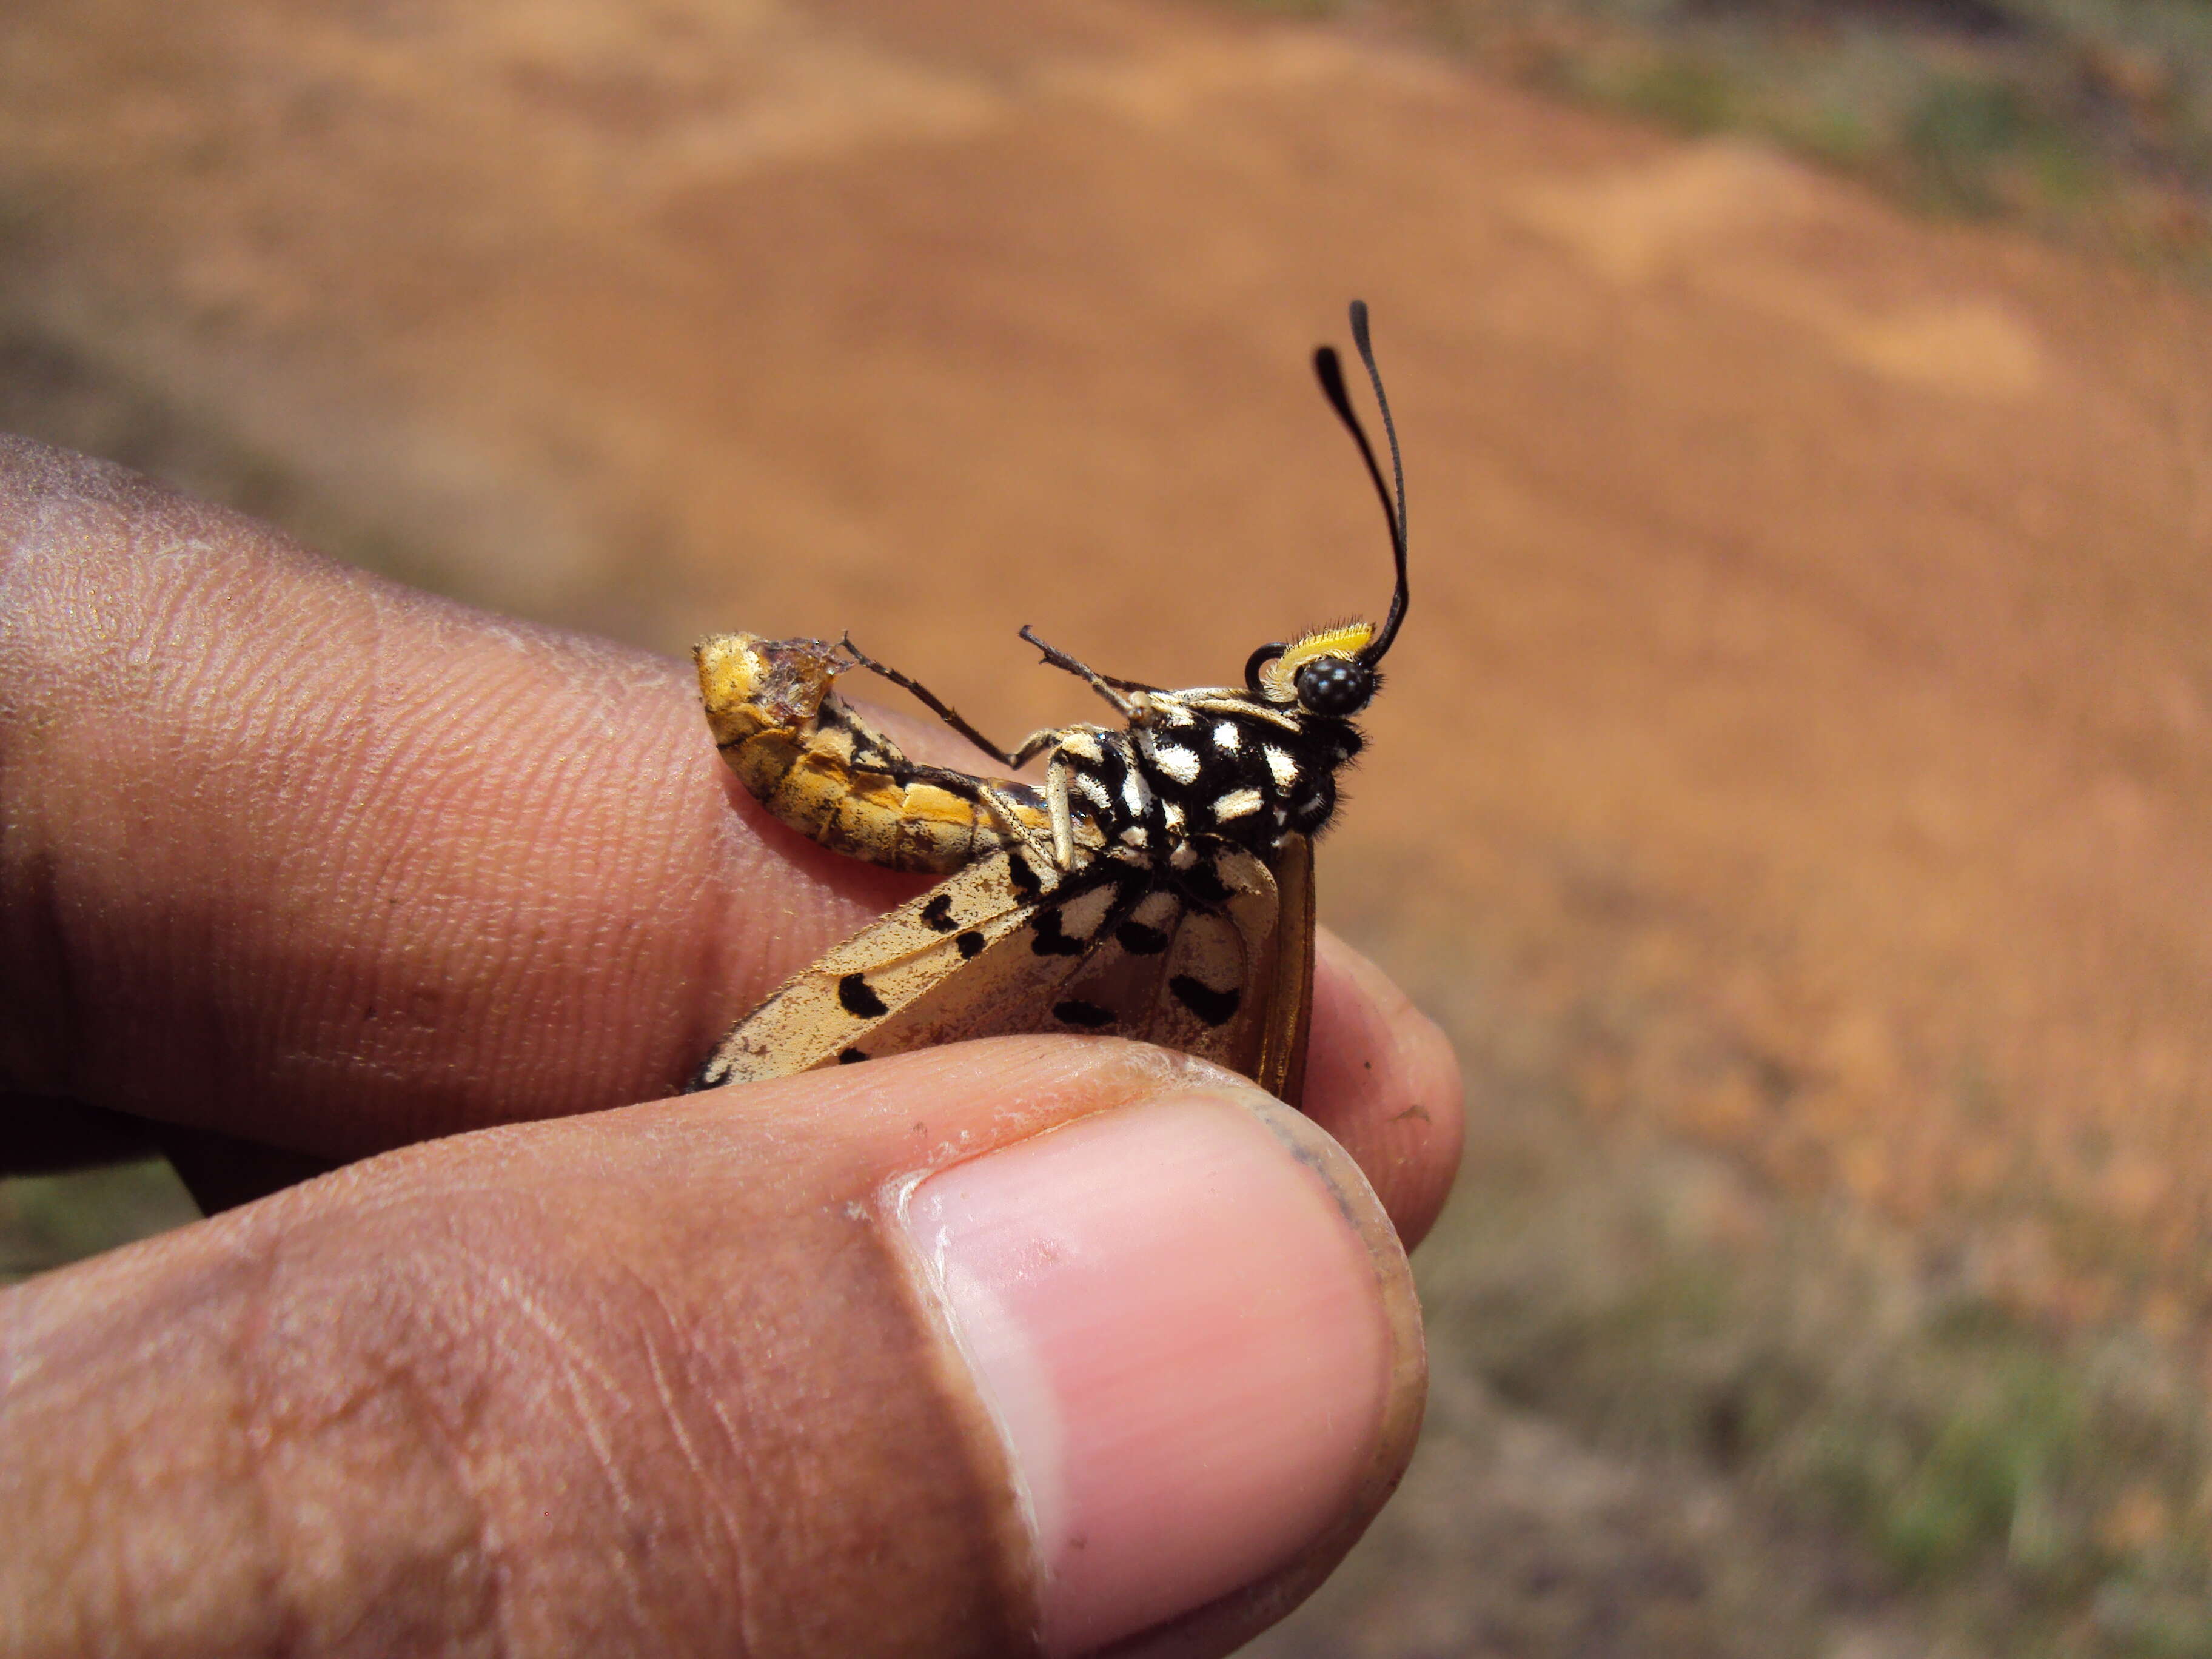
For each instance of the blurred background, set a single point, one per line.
(1792, 789)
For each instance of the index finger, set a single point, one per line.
(297, 854)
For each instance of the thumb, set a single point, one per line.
(1033, 1344)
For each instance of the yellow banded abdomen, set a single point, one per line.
(781, 725)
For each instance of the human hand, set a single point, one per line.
(928, 1356)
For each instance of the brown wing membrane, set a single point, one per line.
(1281, 1070)
(1214, 1000)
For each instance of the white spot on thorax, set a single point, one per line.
(1184, 856)
(1093, 791)
(1226, 738)
(1171, 814)
(1281, 767)
(1179, 763)
(1133, 793)
(1236, 803)
(1084, 746)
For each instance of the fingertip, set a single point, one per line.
(1384, 1079)
(1198, 1340)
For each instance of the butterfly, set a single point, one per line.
(1159, 884)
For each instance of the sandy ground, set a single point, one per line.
(1793, 784)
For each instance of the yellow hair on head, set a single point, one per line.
(1280, 677)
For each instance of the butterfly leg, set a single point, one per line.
(1063, 816)
(1034, 745)
(1059, 852)
(987, 794)
(1129, 708)
(1050, 854)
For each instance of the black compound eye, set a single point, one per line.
(1335, 686)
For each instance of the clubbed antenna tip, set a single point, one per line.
(1330, 372)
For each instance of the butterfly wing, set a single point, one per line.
(1280, 1068)
(1193, 962)
(824, 1013)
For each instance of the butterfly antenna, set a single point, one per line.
(1330, 373)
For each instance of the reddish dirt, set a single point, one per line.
(1799, 742)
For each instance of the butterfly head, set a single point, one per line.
(1332, 671)
(1324, 673)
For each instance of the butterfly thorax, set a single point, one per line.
(1208, 765)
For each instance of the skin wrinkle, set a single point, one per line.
(550, 784)
(425, 827)
(235, 1296)
(748, 1629)
(310, 867)
(709, 951)
(255, 1431)
(752, 1455)
(740, 1445)
(487, 1546)
(383, 1375)
(167, 609)
(457, 1409)
(672, 1410)
(771, 1459)
(572, 1359)
(420, 715)
(564, 774)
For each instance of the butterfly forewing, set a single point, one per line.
(1112, 951)
(827, 1012)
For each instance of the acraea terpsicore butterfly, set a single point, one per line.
(1159, 885)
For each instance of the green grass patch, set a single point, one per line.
(2090, 121)
(47, 1221)
(2038, 1495)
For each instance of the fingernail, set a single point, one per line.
(1182, 1333)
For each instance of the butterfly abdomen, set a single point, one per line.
(826, 772)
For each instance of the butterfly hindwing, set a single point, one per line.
(1281, 1065)
(1212, 1000)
